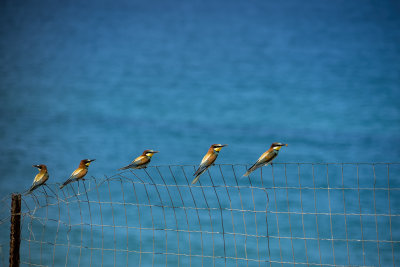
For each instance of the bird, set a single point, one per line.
(266, 157)
(207, 160)
(79, 173)
(142, 161)
(40, 178)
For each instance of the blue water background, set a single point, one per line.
(106, 80)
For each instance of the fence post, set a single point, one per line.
(15, 229)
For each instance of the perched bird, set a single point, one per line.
(79, 173)
(40, 178)
(142, 161)
(266, 157)
(207, 160)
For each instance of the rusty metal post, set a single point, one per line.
(15, 229)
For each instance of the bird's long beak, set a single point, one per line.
(155, 151)
(283, 144)
(89, 161)
(36, 166)
(218, 147)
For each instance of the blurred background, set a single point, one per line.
(108, 79)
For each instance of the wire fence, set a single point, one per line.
(284, 214)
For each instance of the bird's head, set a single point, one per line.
(217, 147)
(87, 162)
(277, 146)
(40, 167)
(149, 153)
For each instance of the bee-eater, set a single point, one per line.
(142, 161)
(79, 173)
(266, 157)
(208, 160)
(40, 178)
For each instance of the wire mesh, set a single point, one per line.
(284, 214)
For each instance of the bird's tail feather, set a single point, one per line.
(254, 167)
(123, 168)
(247, 173)
(132, 166)
(27, 192)
(198, 173)
(30, 190)
(251, 169)
(196, 179)
(200, 170)
(65, 183)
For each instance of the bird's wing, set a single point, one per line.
(139, 161)
(38, 177)
(208, 159)
(78, 173)
(265, 158)
(201, 169)
(39, 180)
(34, 186)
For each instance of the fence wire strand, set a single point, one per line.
(283, 214)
